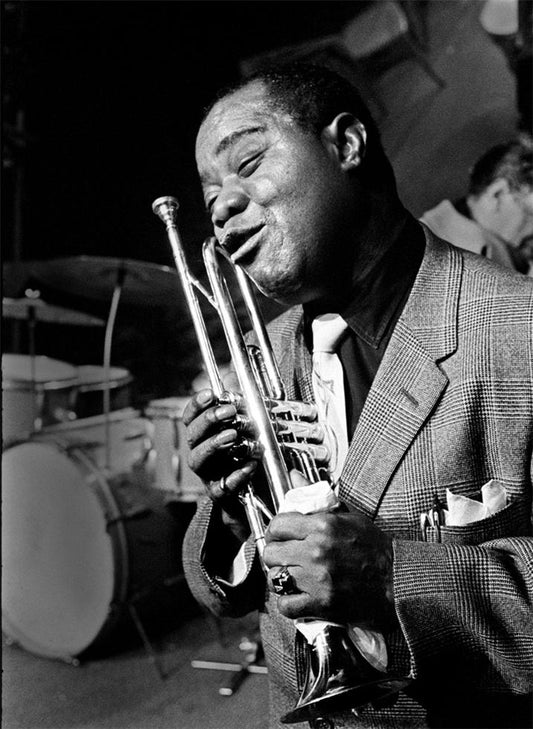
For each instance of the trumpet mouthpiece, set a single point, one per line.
(166, 208)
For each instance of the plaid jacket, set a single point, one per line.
(450, 407)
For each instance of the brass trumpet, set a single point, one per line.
(338, 676)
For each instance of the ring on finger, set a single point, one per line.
(283, 582)
(223, 486)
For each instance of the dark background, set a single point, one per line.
(101, 103)
(112, 93)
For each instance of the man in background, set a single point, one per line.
(495, 219)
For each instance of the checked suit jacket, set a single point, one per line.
(451, 407)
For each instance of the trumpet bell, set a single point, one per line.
(339, 679)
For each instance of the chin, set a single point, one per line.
(281, 288)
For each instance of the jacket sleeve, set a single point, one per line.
(205, 555)
(466, 613)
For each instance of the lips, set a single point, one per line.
(238, 242)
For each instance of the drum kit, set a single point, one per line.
(91, 536)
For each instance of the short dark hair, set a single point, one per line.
(313, 95)
(511, 161)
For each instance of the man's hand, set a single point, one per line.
(341, 564)
(210, 435)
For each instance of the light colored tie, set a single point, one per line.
(328, 386)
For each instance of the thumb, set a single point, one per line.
(298, 479)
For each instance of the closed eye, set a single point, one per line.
(209, 204)
(249, 165)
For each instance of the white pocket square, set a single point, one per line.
(462, 510)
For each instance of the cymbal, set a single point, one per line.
(95, 277)
(49, 313)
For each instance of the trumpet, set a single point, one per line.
(338, 676)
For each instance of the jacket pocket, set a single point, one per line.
(513, 520)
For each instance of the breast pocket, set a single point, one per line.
(514, 520)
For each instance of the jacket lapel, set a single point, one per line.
(409, 381)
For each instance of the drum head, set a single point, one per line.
(58, 567)
(92, 377)
(20, 370)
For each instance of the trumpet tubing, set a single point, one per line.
(286, 436)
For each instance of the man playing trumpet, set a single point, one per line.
(436, 350)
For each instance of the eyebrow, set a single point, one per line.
(231, 138)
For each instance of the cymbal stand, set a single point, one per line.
(32, 323)
(108, 339)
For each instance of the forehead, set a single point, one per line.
(235, 116)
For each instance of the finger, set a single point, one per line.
(197, 404)
(208, 422)
(289, 525)
(231, 382)
(308, 432)
(231, 485)
(203, 453)
(294, 606)
(298, 479)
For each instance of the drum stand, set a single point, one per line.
(252, 653)
(148, 646)
(32, 321)
(151, 652)
(108, 339)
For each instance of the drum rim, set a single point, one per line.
(15, 385)
(100, 386)
(95, 480)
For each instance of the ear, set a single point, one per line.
(494, 192)
(345, 137)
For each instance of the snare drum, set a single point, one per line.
(169, 450)
(92, 383)
(81, 546)
(36, 391)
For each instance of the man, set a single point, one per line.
(496, 217)
(437, 361)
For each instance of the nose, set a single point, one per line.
(231, 200)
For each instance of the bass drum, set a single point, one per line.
(80, 548)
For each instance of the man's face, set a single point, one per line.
(278, 199)
(524, 200)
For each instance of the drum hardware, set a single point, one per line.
(91, 383)
(32, 309)
(168, 453)
(95, 549)
(253, 653)
(35, 308)
(102, 278)
(97, 276)
(37, 391)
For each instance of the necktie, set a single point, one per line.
(328, 386)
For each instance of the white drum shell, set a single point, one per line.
(83, 542)
(35, 392)
(170, 450)
(59, 565)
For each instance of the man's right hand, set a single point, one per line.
(210, 436)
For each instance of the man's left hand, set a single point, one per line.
(341, 564)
